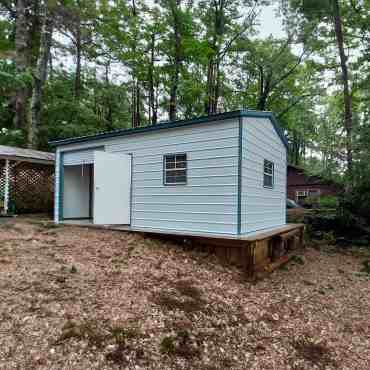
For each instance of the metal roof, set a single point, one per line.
(174, 124)
(29, 155)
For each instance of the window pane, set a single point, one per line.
(180, 164)
(181, 158)
(267, 181)
(173, 179)
(170, 164)
(268, 167)
(175, 169)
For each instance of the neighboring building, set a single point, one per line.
(220, 174)
(26, 181)
(302, 186)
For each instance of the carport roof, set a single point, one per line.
(26, 155)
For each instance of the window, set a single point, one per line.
(175, 168)
(268, 174)
(301, 195)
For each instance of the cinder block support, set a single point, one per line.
(6, 186)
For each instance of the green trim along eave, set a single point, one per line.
(174, 124)
(240, 158)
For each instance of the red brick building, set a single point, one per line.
(301, 185)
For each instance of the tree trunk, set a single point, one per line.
(217, 87)
(77, 84)
(152, 106)
(213, 73)
(348, 121)
(135, 104)
(176, 73)
(210, 84)
(40, 76)
(22, 62)
(109, 109)
(264, 90)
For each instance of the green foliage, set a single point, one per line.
(63, 116)
(11, 137)
(329, 201)
(356, 203)
(311, 202)
(130, 65)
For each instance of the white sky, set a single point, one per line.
(270, 23)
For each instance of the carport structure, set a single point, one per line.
(26, 180)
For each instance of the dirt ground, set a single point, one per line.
(73, 298)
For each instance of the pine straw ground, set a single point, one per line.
(73, 298)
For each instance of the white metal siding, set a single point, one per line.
(262, 208)
(80, 157)
(208, 203)
(76, 200)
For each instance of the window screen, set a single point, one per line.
(175, 169)
(268, 174)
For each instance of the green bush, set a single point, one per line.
(311, 202)
(356, 203)
(328, 201)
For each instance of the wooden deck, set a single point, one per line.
(256, 253)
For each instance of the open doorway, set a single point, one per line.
(98, 192)
(78, 195)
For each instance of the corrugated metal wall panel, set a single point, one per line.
(80, 157)
(208, 203)
(262, 208)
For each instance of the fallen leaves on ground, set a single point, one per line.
(77, 298)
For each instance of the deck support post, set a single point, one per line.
(6, 186)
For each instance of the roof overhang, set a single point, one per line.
(24, 159)
(175, 124)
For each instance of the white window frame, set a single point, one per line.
(270, 174)
(183, 166)
(306, 193)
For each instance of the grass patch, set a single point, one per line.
(316, 353)
(98, 337)
(122, 338)
(171, 302)
(366, 267)
(188, 289)
(185, 297)
(297, 259)
(88, 331)
(181, 344)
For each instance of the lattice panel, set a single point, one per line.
(31, 187)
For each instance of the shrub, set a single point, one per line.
(328, 201)
(355, 203)
(311, 202)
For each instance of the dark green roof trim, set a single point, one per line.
(174, 124)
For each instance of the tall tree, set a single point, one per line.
(328, 16)
(40, 73)
(338, 26)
